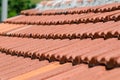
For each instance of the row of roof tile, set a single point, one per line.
(105, 52)
(94, 9)
(19, 68)
(12, 66)
(75, 31)
(41, 43)
(66, 19)
(9, 27)
(82, 72)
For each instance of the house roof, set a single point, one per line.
(82, 43)
(63, 4)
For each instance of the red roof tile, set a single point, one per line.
(12, 66)
(79, 42)
(80, 52)
(67, 19)
(34, 69)
(94, 9)
(90, 30)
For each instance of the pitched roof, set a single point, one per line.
(63, 4)
(77, 43)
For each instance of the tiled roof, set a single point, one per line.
(80, 44)
(63, 4)
(19, 68)
(93, 9)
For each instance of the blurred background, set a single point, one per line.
(15, 6)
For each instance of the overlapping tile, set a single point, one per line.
(34, 69)
(66, 19)
(75, 51)
(9, 27)
(44, 71)
(12, 66)
(75, 31)
(86, 44)
(96, 9)
(84, 73)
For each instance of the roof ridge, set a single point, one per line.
(96, 9)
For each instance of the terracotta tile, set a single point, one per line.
(84, 40)
(9, 65)
(100, 8)
(65, 19)
(97, 30)
(57, 71)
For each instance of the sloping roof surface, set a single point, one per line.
(82, 45)
(19, 68)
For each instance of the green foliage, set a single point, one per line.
(15, 6)
(35, 1)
